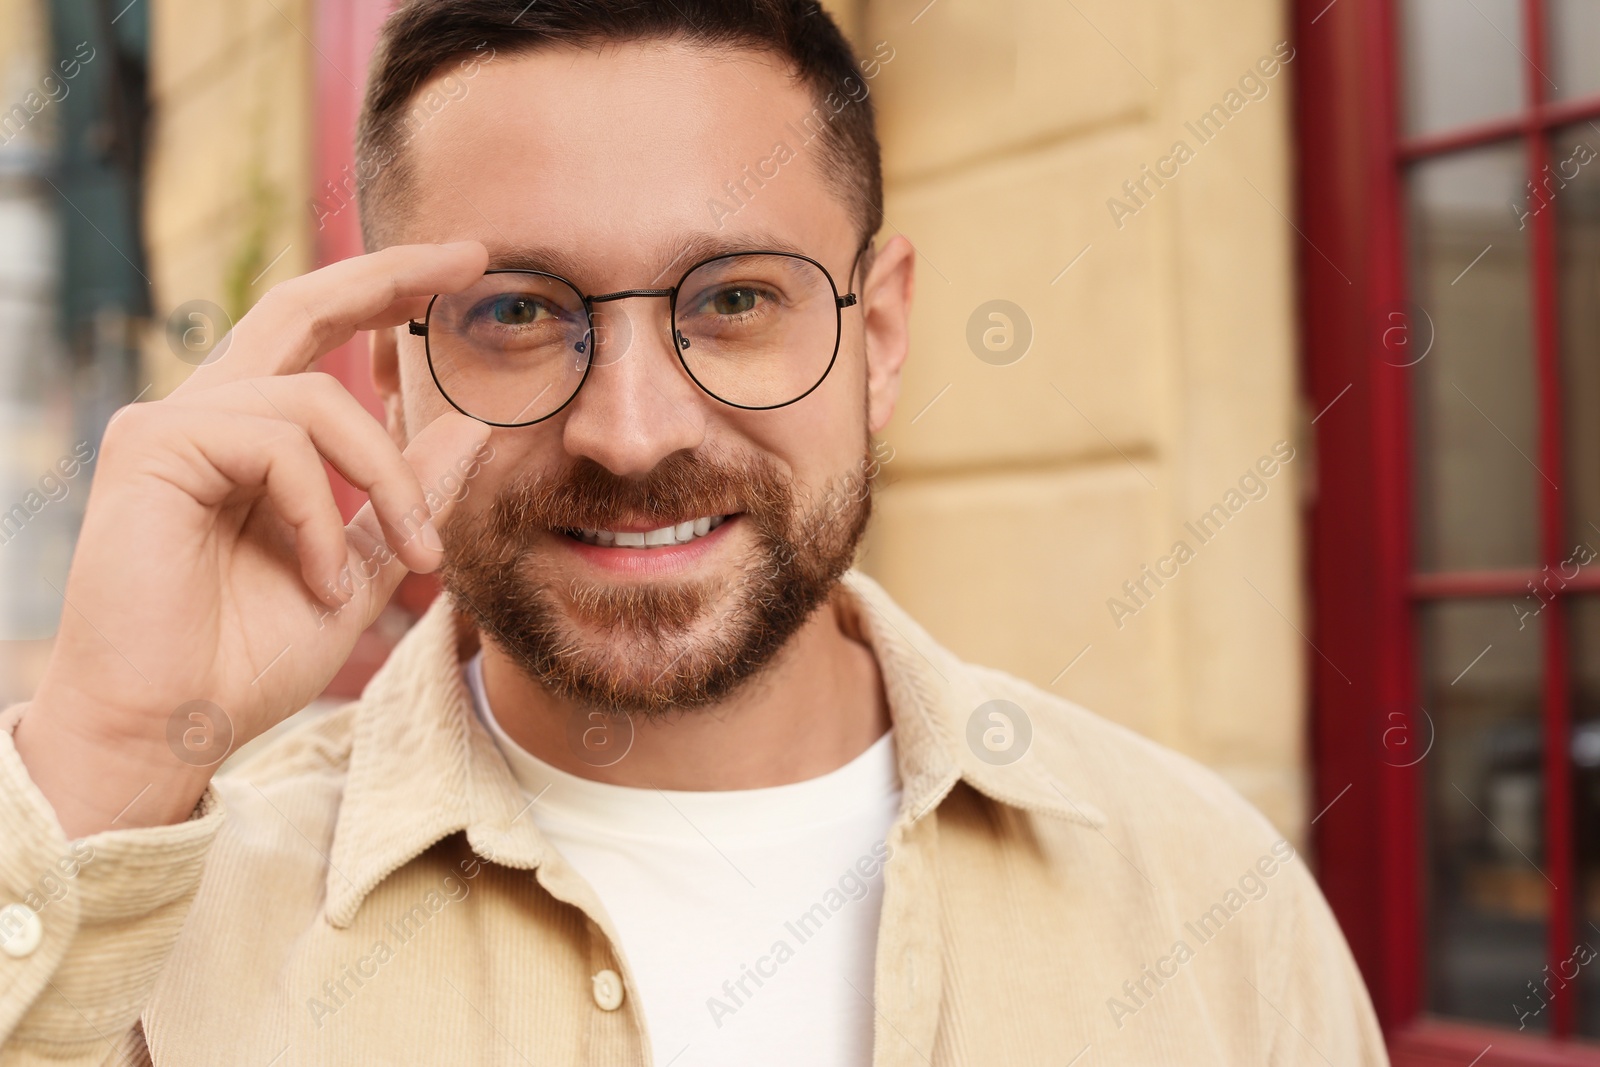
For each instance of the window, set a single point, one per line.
(1450, 202)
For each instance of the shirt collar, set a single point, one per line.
(933, 695)
(422, 765)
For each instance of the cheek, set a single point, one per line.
(838, 407)
(421, 401)
(819, 439)
(512, 453)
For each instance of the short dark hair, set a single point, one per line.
(422, 36)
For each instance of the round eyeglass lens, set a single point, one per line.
(757, 330)
(512, 349)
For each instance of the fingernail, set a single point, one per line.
(430, 537)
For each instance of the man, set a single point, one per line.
(658, 780)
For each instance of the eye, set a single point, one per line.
(513, 309)
(734, 300)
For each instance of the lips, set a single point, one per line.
(680, 533)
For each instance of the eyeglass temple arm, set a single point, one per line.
(849, 299)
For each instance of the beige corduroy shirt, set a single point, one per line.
(370, 890)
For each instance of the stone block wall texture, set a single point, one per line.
(1024, 492)
(1028, 487)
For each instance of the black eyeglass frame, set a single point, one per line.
(420, 329)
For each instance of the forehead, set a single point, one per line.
(622, 157)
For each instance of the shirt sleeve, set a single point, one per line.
(85, 925)
(1320, 1012)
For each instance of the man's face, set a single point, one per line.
(615, 160)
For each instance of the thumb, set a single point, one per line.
(446, 455)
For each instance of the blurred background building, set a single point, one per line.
(1247, 404)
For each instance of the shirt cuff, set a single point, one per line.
(86, 925)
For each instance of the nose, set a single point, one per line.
(637, 406)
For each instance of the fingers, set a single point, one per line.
(444, 457)
(298, 490)
(408, 493)
(218, 457)
(309, 316)
(350, 439)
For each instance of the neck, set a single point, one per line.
(816, 707)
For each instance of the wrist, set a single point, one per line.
(95, 782)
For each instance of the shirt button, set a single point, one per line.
(20, 930)
(607, 989)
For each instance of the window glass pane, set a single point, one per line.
(1584, 631)
(1488, 897)
(1570, 191)
(1574, 41)
(1462, 62)
(1472, 386)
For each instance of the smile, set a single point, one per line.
(681, 533)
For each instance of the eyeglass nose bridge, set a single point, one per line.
(589, 301)
(623, 294)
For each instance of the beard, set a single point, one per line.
(653, 646)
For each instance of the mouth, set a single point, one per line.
(680, 533)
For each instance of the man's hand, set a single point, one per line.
(213, 565)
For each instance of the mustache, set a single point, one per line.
(683, 485)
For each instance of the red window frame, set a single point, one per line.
(1368, 834)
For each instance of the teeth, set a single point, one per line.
(680, 534)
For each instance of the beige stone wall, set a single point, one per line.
(24, 49)
(230, 159)
(1161, 368)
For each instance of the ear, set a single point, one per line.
(886, 320)
(386, 380)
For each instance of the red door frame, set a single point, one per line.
(1366, 736)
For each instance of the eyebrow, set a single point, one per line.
(675, 256)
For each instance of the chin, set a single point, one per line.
(679, 622)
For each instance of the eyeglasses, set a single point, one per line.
(754, 330)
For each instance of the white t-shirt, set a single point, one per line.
(748, 917)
